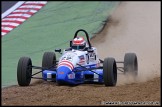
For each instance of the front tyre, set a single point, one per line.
(109, 72)
(24, 71)
(49, 59)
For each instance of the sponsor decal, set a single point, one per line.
(71, 76)
(61, 72)
(68, 56)
(92, 56)
(82, 59)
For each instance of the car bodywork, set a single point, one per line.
(76, 67)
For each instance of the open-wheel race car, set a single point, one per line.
(78, 64)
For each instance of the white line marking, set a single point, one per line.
(38, 2)
(25, 15)
(12, 9)
(14, 19)
(7, 28)
(3, 33)
(9, 23)
(30, 6)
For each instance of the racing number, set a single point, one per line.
(92, 56)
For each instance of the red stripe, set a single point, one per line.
(28, 9)
(6, 31)
(17, 17)
(18, 22)
(11, 26)
(33, 4)
(30, 13)
(76, 43)
(66, 65)
(78, 40)
(62, 63)
(67, 62)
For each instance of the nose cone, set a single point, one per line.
(62, 74)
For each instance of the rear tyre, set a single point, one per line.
(109, 72)
(131, 64)
(24, 71)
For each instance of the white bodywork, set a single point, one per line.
(81, 57)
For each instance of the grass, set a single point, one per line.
(52, 27)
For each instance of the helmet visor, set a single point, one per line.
(76, 47)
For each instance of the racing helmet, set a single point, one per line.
(78, 43)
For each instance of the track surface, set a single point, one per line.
(146, 88)
(6, 5)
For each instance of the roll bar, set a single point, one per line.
(76, 34)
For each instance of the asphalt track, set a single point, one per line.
(5, 5)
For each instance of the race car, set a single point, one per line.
(78, 64)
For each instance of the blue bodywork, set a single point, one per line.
(76, 76)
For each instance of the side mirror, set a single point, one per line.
(90, 50)
(58, 50)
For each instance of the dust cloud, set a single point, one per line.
(133, 27)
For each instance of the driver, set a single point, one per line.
(79, 43)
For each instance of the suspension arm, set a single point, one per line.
(86, 69)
